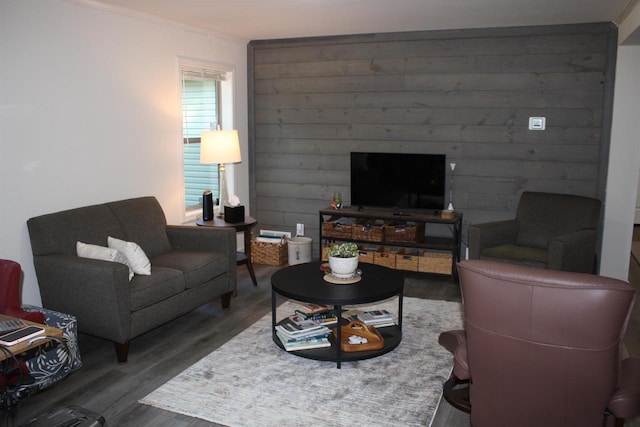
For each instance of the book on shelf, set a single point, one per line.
(269, 239)
(288, 338)
(326, 320)
(321, 331)
(305, 344)
(310, 309)
(297, 324)
(327, 317)
(295, 327)
(377, 318)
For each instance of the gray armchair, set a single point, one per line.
(552, 231)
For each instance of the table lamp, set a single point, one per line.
(220, 146)
(450, 212)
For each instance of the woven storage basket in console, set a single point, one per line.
(404, 232)
(435, 262)
(369, 231)
(268, 253)
(385, 257)
(337, 229)
(407, 259)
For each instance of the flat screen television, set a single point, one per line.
(398, 180)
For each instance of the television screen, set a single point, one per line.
(398, 180)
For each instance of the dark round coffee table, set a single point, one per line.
(305, 283)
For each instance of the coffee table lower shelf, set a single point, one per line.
(392, 336)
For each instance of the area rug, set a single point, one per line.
(249, 381)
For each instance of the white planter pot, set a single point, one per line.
(343, 268)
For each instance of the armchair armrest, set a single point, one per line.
(96, 292)
(625, 402)
(456, 343)
(491, 234)
(573, 251)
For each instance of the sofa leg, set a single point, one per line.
(226, 299)
(122, 351)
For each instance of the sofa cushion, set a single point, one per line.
(142, 221)
(518, 254)
(160, 285)
(198, 266)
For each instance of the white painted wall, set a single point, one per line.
(624, 161)
(89, 112)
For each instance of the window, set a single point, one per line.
(203, 92)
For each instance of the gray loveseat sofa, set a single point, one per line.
(189, 266)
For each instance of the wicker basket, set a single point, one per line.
(337, 230)
(366, 256)
(268, 253)
(368, 231)
(385, 257)
(435, 262)
(404, 232)
(407, 259)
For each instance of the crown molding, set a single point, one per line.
(119, 10)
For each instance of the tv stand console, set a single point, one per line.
(358, 215)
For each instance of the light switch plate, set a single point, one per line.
(537, 123)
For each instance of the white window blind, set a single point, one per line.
(200, 112)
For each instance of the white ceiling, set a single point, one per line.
(272, 19)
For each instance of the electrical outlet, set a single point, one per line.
(299, 229)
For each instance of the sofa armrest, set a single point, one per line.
(196, 238)
(187, 237)
(491, 234)
(96, 292)
(573, 251)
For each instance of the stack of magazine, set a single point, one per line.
(306, 328)
(321, 314)
(297, 333)
(377, 318)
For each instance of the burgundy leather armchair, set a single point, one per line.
(10, 293)
(543, 347)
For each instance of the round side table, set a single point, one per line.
(241, 227)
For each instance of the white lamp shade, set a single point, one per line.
(220, 146)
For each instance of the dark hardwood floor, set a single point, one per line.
(113, 390)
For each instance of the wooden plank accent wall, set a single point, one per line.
(468, 94)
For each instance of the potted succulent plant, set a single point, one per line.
(343, 260)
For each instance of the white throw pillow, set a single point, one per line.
(103, 253)
(135, 255)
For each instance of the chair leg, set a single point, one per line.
(122, 351)
(456, 392)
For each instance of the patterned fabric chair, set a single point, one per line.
(53, 362)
